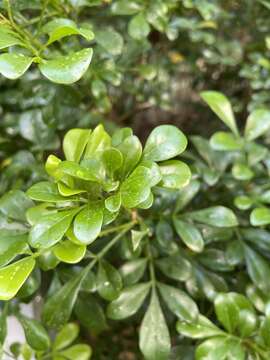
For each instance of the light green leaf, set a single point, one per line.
(218, 216)
(67, 69)
(51, 166)
(221, 107)
(175, 174)
(164, 142)
(66, 336)
(78, 352)
(13, 65)
(74, 143)
(69, 252)
(128, 302)
(50, 229)
(258, 123)
(75, 170)
(136, 238)
(154, 336)
(260, 216)
(35, 334)
(190, 235)
(198, 330)
(220, 348)
(112, 159)
(243, 202)
(13, 276)
(131, 150)
(135, 189)
(8, 37)
(45, 191)
(99, 141)
(65, 191)
(224, 141)
(109, 282)
(242, 172)
(88, 223)
(227, 311)
(138, 27)
(123, 7)
(12, 243)
(179, 303)
(113, 203)
(110, 40)
(155, 171)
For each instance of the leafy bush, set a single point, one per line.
(160, 245)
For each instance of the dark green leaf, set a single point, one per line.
(109, 282)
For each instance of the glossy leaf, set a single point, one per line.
(190, 235)
(258, 123)
(45, 191)
(99, 140)
(175, 174)
(69, 252)
(110, 40)
(218, 216)
(12, 243)
(220, 348)
(132, 271)
(198, 330)
(78, 351)
(242, 172)
(67, 69)
(131, 150)
(14, 204)
(74, 143)
(129, 301)
(66, 336)
(175, 267)
(260, 217)
(35, 334)
(164, 142)
(13, 65)
(224, 141)
(13, 276)
(109, 282)
(221, 107)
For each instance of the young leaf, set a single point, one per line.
(258, 123)
(128, 302)
(198, 330)
(179, 303)
(164, 142)
(113, 203)
(66, 336)
(131, 149)
(50, 229)
(218, 216)
(13, 276)
(221, 107)
(67, 69)
(58, 308)
(65, 191)
(35, 334)
(74, 143)
(45, 191)
(112, 159)
(135, 189)
(154, 335)
(224, 141)
(88, 223)
(242, 172)
(109, 282)
(260, 217)
(78, 351)
(190, 235)
(69, 252)
(138, 27)
(99, 140)
(175, 174)
(12, 65)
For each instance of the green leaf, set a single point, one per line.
(113, 203)
(122, 7)
(74, 143)
(109, 282)
(99, 141)
(35, 334)
(175, 267)
(120, 135)
(218, 216)
(190, 235)
(242, 172)
(258, 123)
(65, 191)
(66, 336)
(243, 202)
(154, 335)
(224, 141)
(45, 191)
(258, 269)
(138, 27)
(221, 348)
(12, 243)
(155, 171)
(129, 301)
(51, 166)
(8, 38)
(88, 223)
(198, 330)
(60, 28)
(179, 303)
(14, 204)
(112, 159)
(50, 229)
(75, 170)
(227, 311)
(184, 197)
(67, 69)
(90, 314)
(78, 352)
(164, 142)
(58, 308)
(110, 40)
(136, 238)
(132, 271)
(260, 217)
(135, 189)
(175, 174)
(13, 276)
(69, 252)
(221, 107)
(12, 65)
(131, 150)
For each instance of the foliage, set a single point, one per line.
(162, 248)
